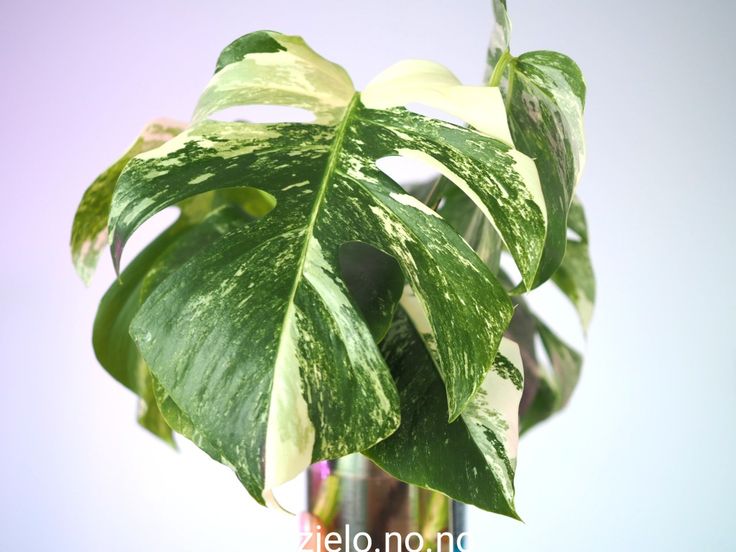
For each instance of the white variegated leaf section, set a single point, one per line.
(500, 397)
(432, 84)
(571, 107)
(492, 417)
(524, 166)
(89, 231)
(295, 76)
(500, 35)
(290, 433)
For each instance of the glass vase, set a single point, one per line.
(354, 506)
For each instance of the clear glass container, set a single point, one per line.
(353, 505)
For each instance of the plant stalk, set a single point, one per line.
(499, 69)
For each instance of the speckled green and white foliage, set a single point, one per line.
(545, 96)
(113, 346)
(575, 276)
(500, 35)
(471, 459)
(89, 231)
(547, 389)
(256, 339)
(111, 340)
(112, 343)
(550, 387)
(462, 214)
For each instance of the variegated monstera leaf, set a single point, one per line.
(549, 388)
(194, 229)
(254, 346)
(544, 93)
(473, 458)
(89, 232)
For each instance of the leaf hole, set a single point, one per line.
(408, 173)
(434, 113)
(264, 114)
(573, 236)
(557, 312)
(509, 267)
(148, 231)
(256, 203)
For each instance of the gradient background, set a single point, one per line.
(643, 459)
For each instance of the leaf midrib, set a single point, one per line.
(334, 153)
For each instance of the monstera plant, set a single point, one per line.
(305, 306)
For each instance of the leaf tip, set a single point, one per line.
(116, 251)
(271, 502)
(454, 408)
(83, 271)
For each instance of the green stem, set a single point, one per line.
(436, 519)
(325, 506)
(436, 192)
(500, 67)
(509, 88)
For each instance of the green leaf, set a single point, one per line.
(576, 280)
(149, 413)
(375, 282)
(523, 331)
(180, 422)
(89, 231)
(566, 365)
(112, 344)
(556, 383)
(575, 276)
(471, 459)
(547, 389)
(545, 97)
(576, 221)
(114, 347)
(462, 214)
(257, 339)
